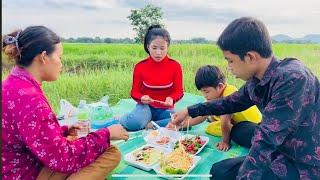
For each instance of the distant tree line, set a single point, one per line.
(98, 40)
(199, 40)
(294, 41)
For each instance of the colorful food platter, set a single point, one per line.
(178, 163)
(144, 157)
(162, 137)
(193, 144)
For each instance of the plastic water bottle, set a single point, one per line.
(83, 119)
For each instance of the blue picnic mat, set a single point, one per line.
(209, 154)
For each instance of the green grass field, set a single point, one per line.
(91, 71)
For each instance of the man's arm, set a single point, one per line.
(194, 121)
(236, 102)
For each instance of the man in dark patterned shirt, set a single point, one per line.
(286, 144)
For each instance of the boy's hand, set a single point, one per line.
(146, 99)
(223, 146)
(117, 132)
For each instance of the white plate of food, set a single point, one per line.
(162, 137)
(178, 163)
(145, 157)
(193, 144)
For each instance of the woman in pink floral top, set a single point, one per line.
(34, 146)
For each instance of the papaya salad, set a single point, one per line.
(176, 162)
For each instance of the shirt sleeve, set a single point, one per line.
(236, 102)
(43, 137)
(177, 93)
(281, 116)
(136, 85)
(64, 131)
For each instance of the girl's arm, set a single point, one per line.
(177, 92)
(136, 85)
(43, 136)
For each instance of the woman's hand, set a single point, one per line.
(117, 132)
(72, 131)
(146, 99)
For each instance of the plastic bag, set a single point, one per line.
(101, 114)
(67, 110)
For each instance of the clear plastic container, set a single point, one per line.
(83, 119)
(101, 114)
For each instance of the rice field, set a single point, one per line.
(91, 71)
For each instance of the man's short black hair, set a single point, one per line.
(209, 76)
(246, 34)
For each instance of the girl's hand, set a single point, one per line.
(117, 132)
(223, 146)
(145, 99)
(168, 102)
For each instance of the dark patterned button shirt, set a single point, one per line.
(289, 134)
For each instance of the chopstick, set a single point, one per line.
(155, 124)
(154, 100)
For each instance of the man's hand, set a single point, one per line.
(179, 117)
(117, 132)
(146, 99)
(223, 146)
(173, 127)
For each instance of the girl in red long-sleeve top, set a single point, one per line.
(157, 83)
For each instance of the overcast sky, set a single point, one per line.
(184, 19)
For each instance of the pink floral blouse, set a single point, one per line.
(32, 137)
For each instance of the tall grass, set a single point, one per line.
(93, 70)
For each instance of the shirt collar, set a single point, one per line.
(23, 74)
(163, 61)
(270, 72)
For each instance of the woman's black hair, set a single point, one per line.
(23, 46)
(153, 32)
(209, 76)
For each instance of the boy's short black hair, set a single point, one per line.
(246, 34)
(209, 76)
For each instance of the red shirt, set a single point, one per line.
(158, 80)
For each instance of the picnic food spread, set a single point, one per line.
(168, 152)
